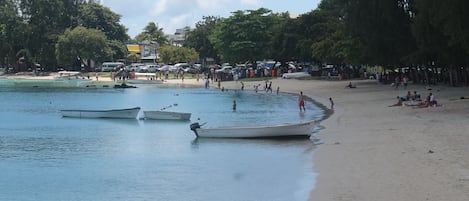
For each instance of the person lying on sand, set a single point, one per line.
(399, 102)
(430, 101)
(423, 104)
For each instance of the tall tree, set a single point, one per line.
(442, 37)
(331, 42)
(43, 18)
(83, 44)
(199, 38)
(152, 32)
(11, 32)
(383, 27)
(244, 36)
(284, 38)
(96, 16)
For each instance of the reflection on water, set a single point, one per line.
(46, 157)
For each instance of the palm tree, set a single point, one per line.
(152, 33)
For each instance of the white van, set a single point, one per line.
(110, 66)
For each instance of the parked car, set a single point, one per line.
(134, 67)
(164, 68)
(182, 65)
(225, 69)
(191, 70)
(111, 66)
(148, 68)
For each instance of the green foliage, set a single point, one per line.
(152, 33)
(35, 25)
(383, 27)
(82, 43)
(441, 32)
(199, 37)
(95, 16)
(174, 54)
(283, 45)
(244, 36)
(10, 34)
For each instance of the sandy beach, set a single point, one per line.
(373, 152)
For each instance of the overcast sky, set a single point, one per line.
(174, 14)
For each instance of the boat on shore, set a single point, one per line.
(166, 115)
(123, 86)
(281, 130)
(128, 113)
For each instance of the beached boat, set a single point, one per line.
(130, 113)
(296, 75)
(282, 130)
(123, 86)
(141, 81)
(166, 115)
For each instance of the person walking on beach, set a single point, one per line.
(269, 87)
(332, 103)
(242, 85)
(301, 102)
(405, 81)
(397, 81)
(97, 76)
(207, 83)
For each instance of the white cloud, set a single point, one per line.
(172, 7)
(212, 5)
(251, 2)
(178, 22)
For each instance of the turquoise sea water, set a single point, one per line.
(46, 157)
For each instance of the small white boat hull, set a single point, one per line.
(166, 115)
(282, 130)
(130, 113)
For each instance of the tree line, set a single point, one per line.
(423, 38)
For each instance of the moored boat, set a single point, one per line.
(166, 115)
(129, 113)
(282, 130)
(123, 86)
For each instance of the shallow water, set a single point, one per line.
(46, 157)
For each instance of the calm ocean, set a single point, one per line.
(46, 157)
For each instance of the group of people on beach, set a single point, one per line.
(429, 101)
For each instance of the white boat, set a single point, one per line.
(282, 130)
(165, 115)
(141, 81)
(130, 113)
(295, 75)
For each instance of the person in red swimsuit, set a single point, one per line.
(301, 101)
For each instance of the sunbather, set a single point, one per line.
(399, 102)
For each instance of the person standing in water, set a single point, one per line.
(234, 105)
(301, 101)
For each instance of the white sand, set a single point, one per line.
(372, 152)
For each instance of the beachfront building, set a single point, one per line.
(147, 51)
(179, 37)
